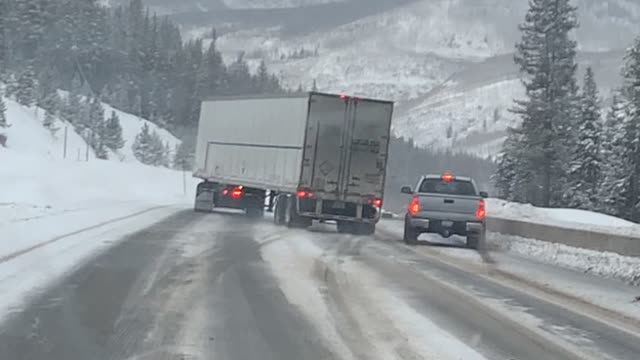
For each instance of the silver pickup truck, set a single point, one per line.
(446, 205)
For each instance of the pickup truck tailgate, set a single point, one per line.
(453, 204)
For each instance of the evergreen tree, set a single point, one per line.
(113, 133)
(546, 57)
(3, 113)
(314, 86)
(12, 86)
(97, 128)
(166, 155)
(631, 91)
(25, 91)
(71, 108)
(615, 171)
(143, 146)
(183, 159)
(586, 161)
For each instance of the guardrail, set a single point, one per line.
(592, 240)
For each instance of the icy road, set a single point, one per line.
(216, 286)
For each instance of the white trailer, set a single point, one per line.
(323, 155)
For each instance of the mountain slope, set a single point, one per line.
(446, 63)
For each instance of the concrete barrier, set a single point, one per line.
(623, 245)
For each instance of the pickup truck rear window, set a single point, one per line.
(454, 187)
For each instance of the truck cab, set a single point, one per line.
(447, 205)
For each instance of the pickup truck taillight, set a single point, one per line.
(414, 206)
(481, 212)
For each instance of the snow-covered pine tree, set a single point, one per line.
(262, 78)
(546, 57)
(113, 133)
(615, 169)
(214, 69)
(158, 154)
(586, 161)
(142, 146)
(71, 108)
(97, 129)
(631, 91)
(166, 159)
(25, 92)
(11, 86)
(183, 159)
(3, 112)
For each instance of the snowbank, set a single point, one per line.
(566, 218)
(45, 194)
(604, 264)
(57, 211)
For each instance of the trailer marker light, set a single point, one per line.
(225, 192)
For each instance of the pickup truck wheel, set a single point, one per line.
(474, 241)
(410, 234)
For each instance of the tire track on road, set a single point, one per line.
(29, 249)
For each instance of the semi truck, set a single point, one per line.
(309, 156)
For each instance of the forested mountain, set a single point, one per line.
(125, 55)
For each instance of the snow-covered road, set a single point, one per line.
(169, 283)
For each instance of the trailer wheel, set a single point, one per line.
(345, 227)
(279, 211)
(205, 197)
(366, 229)
(292, 219)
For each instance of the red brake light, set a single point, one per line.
(414, 206)
(447, 177)
(377, 202)
(236, 192)
(481, 211)
(343, 96)
(301, 194)
(225, 192)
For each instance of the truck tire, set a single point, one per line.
(292, 219)
(364, 229)
(345, 227)
(204, 200)
(475, 240)
(279, 210)
(410, 234)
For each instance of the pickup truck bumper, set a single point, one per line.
(459, 225)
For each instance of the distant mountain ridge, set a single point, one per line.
(448, 64)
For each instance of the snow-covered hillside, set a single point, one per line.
(271, 4)
(427, 56)
(62, 211)
(37, 180)
(26, 135)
